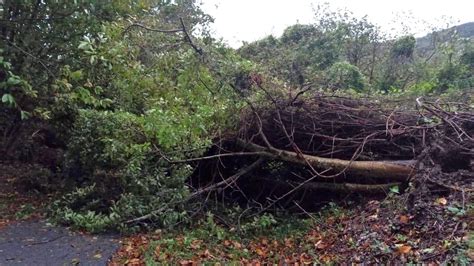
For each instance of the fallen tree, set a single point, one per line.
(297, 151)
(334, 144)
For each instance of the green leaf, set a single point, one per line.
(13, 81)
(84, 45)
(8, 98)
(24, 115)
(76, 75)
(453, 209)
(395, 189)
(428, 250)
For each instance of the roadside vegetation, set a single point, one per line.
(334, 142)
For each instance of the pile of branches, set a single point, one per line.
(295, 149)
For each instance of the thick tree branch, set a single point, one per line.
(393, 170)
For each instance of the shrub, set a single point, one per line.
(343, 75)
(118, 176)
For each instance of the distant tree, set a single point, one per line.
(403, 48)
(397, 72)
(304, 52)
(458, 70)
(343, 75)
(467, 57)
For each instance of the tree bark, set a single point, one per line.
(391, 170)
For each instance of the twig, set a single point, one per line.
(137, 25)
(233, 154)
(229, 181)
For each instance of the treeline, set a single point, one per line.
(340, 51)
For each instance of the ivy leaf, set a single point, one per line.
(8, 99)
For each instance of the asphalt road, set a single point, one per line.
(38, 243)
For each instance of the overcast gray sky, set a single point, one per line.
(249, 20)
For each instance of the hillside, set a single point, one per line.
(465, 31)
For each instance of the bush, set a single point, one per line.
(118, 176)
(343, 75)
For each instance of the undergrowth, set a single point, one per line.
(375, 231)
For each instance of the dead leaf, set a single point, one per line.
(237, 245)
(373, 217)
(404, 249)
(186, 262)
(320, 245)
(196, 244)
(330, 221)
(207, 254)
(133, 262)
(442, 201)
(325, 258)
(260, 252)
(98, 256)
(128, 248)
(305, 259)
(404, 219)
(157, 251)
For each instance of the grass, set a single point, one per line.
(266, 238)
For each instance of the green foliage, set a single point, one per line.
(26, 210)
(110, 155)
(81, 216)
(46, 44)
(260, 224)
(131, 120)
(467, 57)
(422, 88)
(343, 75)
(105, 140)
(403, 47)
(297, 33)
(13, 87)
(457, 72)
(209, 235)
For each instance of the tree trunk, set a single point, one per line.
(387, 170)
